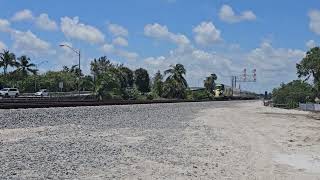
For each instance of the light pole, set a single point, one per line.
(77, 51)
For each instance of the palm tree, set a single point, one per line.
(7, 59)
(209, 83)
(175, 85)
(177, 73)
(25, 67)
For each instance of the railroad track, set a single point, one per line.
(25, 103)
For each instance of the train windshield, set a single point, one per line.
(219, 87)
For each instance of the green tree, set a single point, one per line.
(175, 85)
(100, 65)
(87, 83)
(75, 70)
(142, 80)
(209, 83)
(50, 80)
(7, 59)
(108, 86)
(157, 85)
(310, 67)
(293, 93)
(127, 77)
(25, 67)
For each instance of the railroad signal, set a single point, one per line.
(245, 77)
(245, 74)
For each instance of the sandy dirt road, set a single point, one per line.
(265, 143)
(213, 140)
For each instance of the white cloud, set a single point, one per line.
(73, 29)
(127, 55)
(2, 46)
(206, 33)
(269, 58)
(29, 43)
(120, 41)
(4, 25)
(311, 44)
(274, 65)
(198, 64)
(107, 48)
(117, 30)
(23, 15)
(228, 15)
(162, 32)
(158, 61)
(110, 49)
(44, 22)
(314, 24)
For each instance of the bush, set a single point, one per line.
(150, 96)
(202, 95)
(131, 94)
(293, 93)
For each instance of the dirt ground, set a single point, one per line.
(266, 143)
(214, 140)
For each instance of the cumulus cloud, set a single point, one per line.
(4, 25)
(206, 33)
(127, 55)
(117, 30)
(23, 15)
(72, 28)
(197, 62)
(107, 48)
(44, 22)
(156, 61)
(29, 43)
(162, 32)
(120, 41)
(2, 46)
(314, 24)
(311, 44)
(228, 15)
(110, 49)
(272, 59)
(274, 65)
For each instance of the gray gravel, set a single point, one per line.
(112, 142)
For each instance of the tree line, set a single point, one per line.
(107, 80)
(307, 87)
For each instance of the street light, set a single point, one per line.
(77, 51)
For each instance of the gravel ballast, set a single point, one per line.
(212, 140)
(120, 142)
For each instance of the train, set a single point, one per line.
(227, 92)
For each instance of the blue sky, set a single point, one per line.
(221, 36)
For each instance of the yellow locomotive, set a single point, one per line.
(223, 91)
